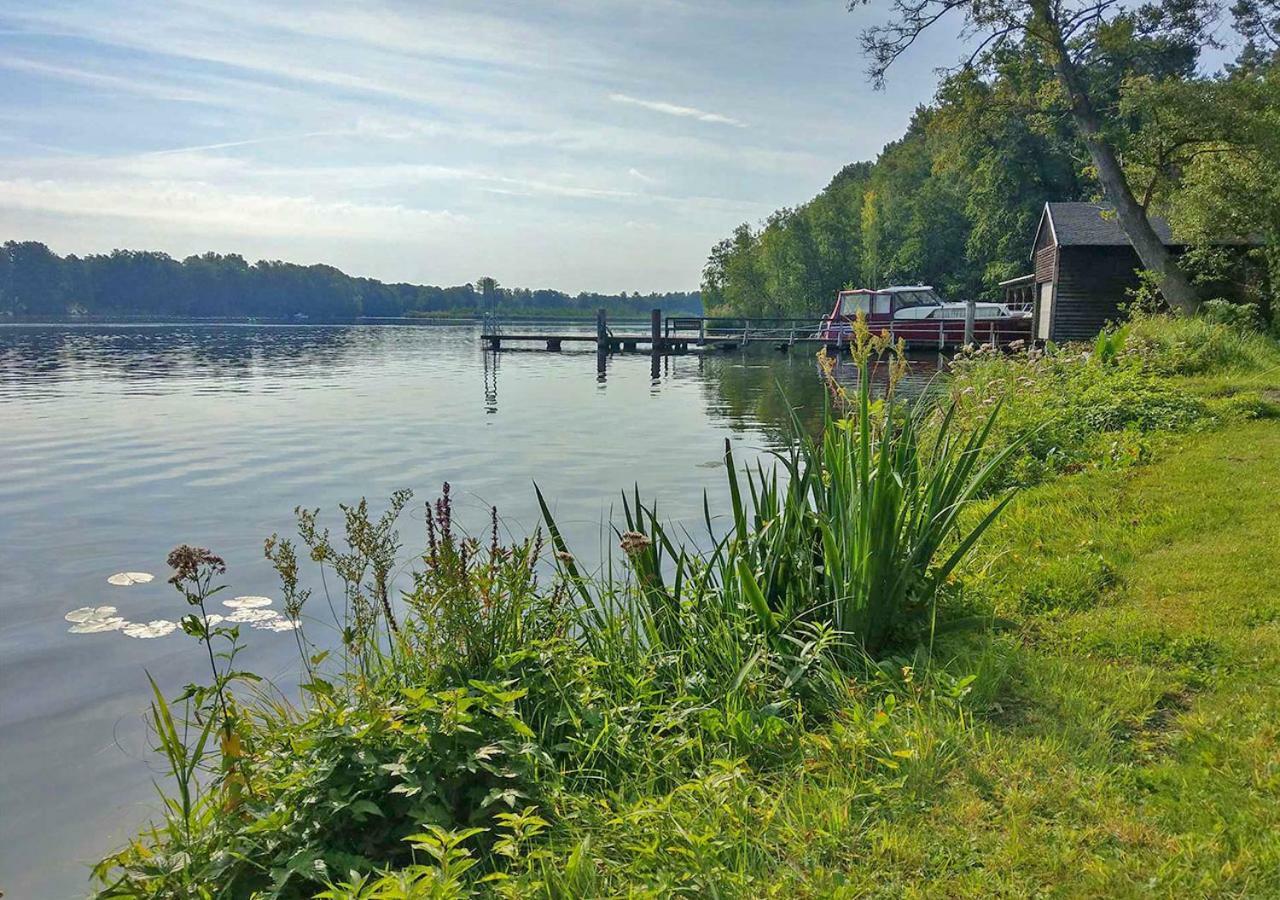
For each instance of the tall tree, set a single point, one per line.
(1067, 33)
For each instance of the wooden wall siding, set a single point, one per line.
(1044, 236)
(1093, 283)
(1046, 261)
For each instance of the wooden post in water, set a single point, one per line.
(602, 339)
(970, 312)
(655, 330)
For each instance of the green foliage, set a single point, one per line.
(1106, 407)
(1199, 345)
(1239, 316)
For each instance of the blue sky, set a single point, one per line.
(578, 144)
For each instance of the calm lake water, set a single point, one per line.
(116, 443)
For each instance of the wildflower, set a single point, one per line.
(564, 556)
(634, 542)
(187, 561)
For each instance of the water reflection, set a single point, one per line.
(764, 389)
(37, 353)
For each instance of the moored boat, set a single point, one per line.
(918, 315)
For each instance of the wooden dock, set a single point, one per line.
(674, 335)
(685, 334)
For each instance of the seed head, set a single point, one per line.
(634, 542)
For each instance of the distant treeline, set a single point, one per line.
(35, 282)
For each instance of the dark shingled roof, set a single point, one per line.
(1095, 225)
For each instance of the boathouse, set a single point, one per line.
(1085, 268)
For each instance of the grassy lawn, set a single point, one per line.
(1132, 747)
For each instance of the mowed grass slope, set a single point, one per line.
(1133, 748)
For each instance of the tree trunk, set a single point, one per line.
(1174, 285)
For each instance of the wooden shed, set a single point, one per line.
(1084, 269)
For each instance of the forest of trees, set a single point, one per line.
(35, 282)
(955, 201)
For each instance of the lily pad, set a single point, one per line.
(279, 623)
(124, 579)
(253, 615)
(248, 602)
(89, 613)
(153, 629)
(95, 626)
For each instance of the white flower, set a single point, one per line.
(124, 579)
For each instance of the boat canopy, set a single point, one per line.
(884, 301)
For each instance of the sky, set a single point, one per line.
(574, 144)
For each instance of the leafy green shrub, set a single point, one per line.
(341, 790)
(1238, 316)
(1127, 397)
(1196, 345)
(1073, 409)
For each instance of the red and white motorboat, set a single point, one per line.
(918, 315)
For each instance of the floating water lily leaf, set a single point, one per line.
(253, 615)
(89, 613)
(94, 626)
(124, 579)
(247, 602)
(153, 629)
(277, 624)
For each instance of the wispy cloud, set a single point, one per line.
(104, 81)
(673, 109)
(209, 210)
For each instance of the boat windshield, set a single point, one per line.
(923, 297)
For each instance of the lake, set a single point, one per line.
(119, 442)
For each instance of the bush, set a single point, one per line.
(1072, 408)
(1238, 316)
(1196, 345)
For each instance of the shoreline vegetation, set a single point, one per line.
(1020, 636)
